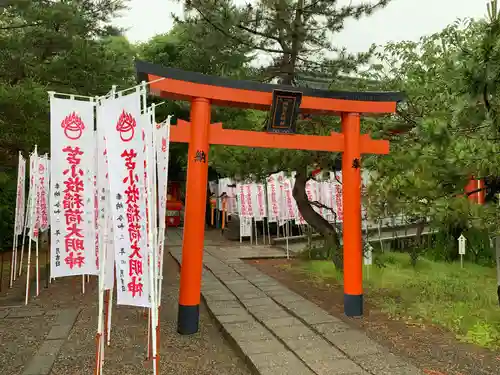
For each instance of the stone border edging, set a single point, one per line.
(46, 355)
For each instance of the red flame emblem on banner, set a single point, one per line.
(73, 126)
(126, 126)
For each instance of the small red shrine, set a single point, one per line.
(174, 204)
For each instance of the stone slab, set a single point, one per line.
(239, 282)
(305, 342)
(252, 295)
(247, 331)
(59, 332)
(240, 318)
(354, 343)
(42, 362)
(4, 313)
(288, 321)
(279, 362)
(50, 347)
(219, 297)
(67, 317)
(245, 289)
(323, 351)
(289, 298)
(25, 313)
(261, 346)
(331, 328)
(266, 301)
(215, 306)
(298, 369)
(310, 315)
(40, 365)
(220, 310)
(403, 370)
(296, 331)
(277, 292)
(281, 359)
(337, 367)
(264, 312)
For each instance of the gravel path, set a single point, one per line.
(204, 353)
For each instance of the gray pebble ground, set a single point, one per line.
(21, 337)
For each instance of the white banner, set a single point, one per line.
(122, 128)
(258, 198)
(289, 204)
(228, 186)
(31, 212)
(71, 185)
(42, 194)
(20, 196)
(339, 207)
(245, 226)
(273, 198)
(324, 198)
(47, 195)
(96, 201)
(312, 195)
(330, 200)
(149, 173)
(148, 126)
(162, 155)
(106, 239)
(243, 209)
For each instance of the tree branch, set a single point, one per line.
(239, 40)
(12, 27)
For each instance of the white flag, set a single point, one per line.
(243, 208)
(20, 196)
(246, 226)
(273, 198)
(42, 194)
(162, 135)
(125, 150)
(258, 201)
(339, 208)
(290, 206)
(71, 187)
(32, 196)
(106, 239)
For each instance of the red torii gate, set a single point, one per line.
(202, 91)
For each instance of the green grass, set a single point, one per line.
(462, 300)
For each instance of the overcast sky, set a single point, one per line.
(401, 20)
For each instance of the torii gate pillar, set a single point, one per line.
(194, 224)
(351, 199)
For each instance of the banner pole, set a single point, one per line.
(37, 266)
(24, 238)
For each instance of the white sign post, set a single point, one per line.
(368, 259)
(461, 249)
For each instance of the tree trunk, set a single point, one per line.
(497, 256)
(415, 251)
(316, 221)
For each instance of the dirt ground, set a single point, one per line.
(204, 353)
(437, 351)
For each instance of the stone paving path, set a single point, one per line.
(277, 330)
(46, 331)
